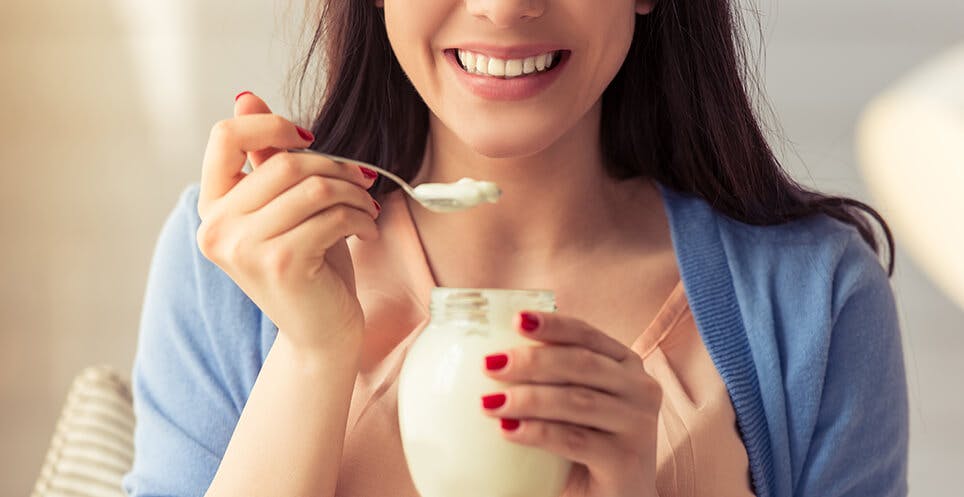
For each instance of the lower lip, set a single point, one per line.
(518, 88)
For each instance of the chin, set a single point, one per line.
(509, 142)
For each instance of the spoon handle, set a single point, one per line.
(344, 160)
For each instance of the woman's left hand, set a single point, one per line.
(584, 396)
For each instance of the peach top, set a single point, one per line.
(699, 450)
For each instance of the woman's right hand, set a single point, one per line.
(279, 232)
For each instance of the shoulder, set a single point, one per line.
(179, 263)
(817, 259)
(814, 306)
(200, 346)
(817, 310)
(822, 321)
(195, 313)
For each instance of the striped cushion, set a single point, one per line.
(93, 444)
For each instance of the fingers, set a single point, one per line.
(282, 172)
(558, 365)
(566, 404)
(554, 328)
(580, 394)
(576, 443)
(309, 197)
(248, 103)
(228, 144)
(596, 429)
(328, 227)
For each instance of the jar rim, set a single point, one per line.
(464, 298)
(540, 294)
(503, 291)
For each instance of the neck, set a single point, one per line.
(557, 202)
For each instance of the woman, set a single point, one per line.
(721, 330)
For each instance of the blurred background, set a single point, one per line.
(105, 108)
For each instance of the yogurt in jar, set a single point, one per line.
(452, 448)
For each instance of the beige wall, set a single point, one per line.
(104, 112)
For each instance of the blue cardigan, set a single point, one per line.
(798, 318)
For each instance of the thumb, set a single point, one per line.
(249, 103)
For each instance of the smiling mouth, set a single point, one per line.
(482, 65)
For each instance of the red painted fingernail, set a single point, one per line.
(377, 206)
(528, 322)
(305, 134)
(239, 95)
(369, 174)
(496, 362)
(509, 424)
(493, 401)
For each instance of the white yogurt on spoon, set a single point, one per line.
(462, 194)
(437, 197)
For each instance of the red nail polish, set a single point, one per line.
(239, 95)
(305, 134)
(369, 174)
(377, 206)
(528, 322)
(509, 424)
(496, 362)
(493, 401)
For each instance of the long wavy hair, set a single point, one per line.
(678, 111)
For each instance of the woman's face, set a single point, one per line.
(509, 104)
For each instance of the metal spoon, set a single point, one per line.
(436, 197)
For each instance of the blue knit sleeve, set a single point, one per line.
(859, 445)
(185, 403)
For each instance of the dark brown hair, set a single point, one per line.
(678, 111)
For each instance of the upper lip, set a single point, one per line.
(509, 52)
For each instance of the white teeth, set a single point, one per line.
(496, 67)
(540, 62)
(513, 68)
(499, 68)
(481, 63)
(529, 65)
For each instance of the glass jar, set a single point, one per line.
(451, 446)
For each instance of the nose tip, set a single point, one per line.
(506, 13)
